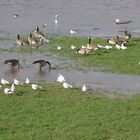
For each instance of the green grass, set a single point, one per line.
(113, 60)
(56, 113)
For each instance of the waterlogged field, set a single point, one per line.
(56, 113)
(113, 60)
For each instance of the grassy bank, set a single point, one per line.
(59, 114)
(122, 61)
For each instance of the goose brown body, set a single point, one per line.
(32, 41)
(83, 51)
(42, 63)
(20, 41)
(92, 47)
(116, 40)
(38, 33)
(13, 62)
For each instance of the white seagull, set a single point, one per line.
(72, 32)
(36, 87)
(84, 88)
(66, 85)
(60, 78)
(73, 47)
(27, 81)
(123, 47)
(59, 47)
(7, 91)
(13, 88)
(4, 82)
(17, 82)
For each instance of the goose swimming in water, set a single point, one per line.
(12, 62)
(42, 63)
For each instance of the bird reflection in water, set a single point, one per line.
(11, 72)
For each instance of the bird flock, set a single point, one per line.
(10, 88)
(36, 39)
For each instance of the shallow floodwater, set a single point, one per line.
(115, 84)
(87, 17)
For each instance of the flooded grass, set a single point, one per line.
(58, 113)
(113, 60)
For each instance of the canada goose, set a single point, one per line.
(116, 40)
(42, 63)
(21, 42)
(32, 41)
(92, 47)
(84, 50)
(127, 35)
(12, 62)
(40, 35)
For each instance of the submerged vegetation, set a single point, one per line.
(113, 60)
(58, 113)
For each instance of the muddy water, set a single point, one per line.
(115, 84)
(88, 17)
